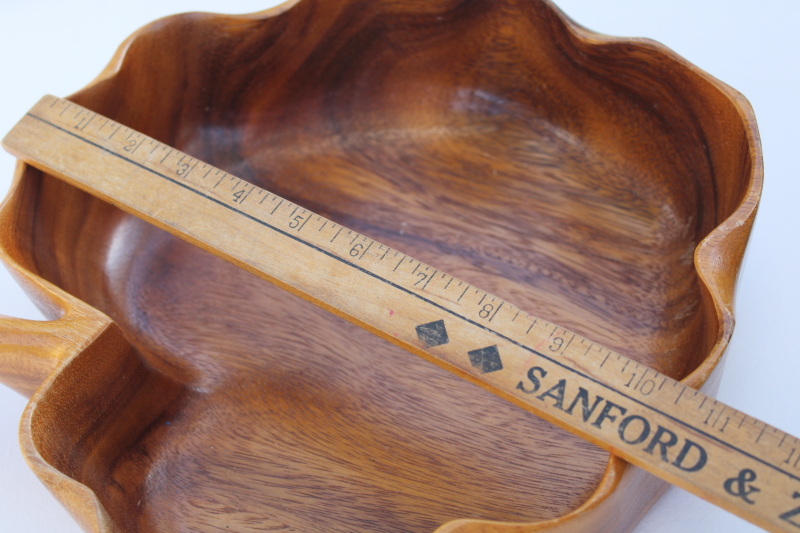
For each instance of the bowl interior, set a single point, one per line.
(465, 135)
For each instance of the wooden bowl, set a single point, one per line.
(602, 184)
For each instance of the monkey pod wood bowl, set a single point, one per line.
(603, 184)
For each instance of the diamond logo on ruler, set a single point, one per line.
(486, 359)
(433, 333)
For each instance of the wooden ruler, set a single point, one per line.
(650, 420)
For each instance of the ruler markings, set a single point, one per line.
(496, 310)
(138, 145)
(305, 220)
(463, 293)
(87, 122)
(679, 395)
(365, 250)
(568, 343)
(246, 195)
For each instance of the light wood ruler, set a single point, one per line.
(650, 420)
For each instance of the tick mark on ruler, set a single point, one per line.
(679, 395)
(277, 206)
(761, 434)
(366, 249)
(568, 343)
(786, 461)
(137, 146)
(191, 169)
(429, 278)
(304, 221)
(496, 310)
(337, 233)
(87, 122)
(463, 293)
(248, 193)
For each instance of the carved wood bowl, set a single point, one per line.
(603, 184)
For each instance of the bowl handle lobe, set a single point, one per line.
(32, 350)
(29, 352)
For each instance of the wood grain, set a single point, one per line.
(592, 167)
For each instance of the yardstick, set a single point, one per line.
(650, 420)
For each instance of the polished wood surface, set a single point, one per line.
(593, 168)
(628, 409)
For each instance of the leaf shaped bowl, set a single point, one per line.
(602, 184)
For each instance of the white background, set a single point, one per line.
(56, 47)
